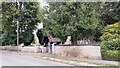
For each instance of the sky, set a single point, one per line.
(43, 3)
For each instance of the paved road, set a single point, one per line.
(19, 60)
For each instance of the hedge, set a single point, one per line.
(111, 44)
(112, 55)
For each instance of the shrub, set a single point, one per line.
(112, 55)
(111, 44)
(111, 32)
(110, 40)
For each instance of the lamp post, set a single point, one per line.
(17, 4)
(17, 35)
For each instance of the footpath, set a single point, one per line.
(68, 60)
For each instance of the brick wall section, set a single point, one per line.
(90, 52)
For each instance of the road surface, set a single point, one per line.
(19, 60)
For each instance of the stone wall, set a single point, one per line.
(20, 48)
(11, 48)
(30, 49)
(90, 52)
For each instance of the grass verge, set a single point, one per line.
(77, 61)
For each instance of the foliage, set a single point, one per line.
(0, 21)
(72, 18)
(110, 12)
(111, 44)
(26, 13)
(112, 55)
(40, 36)
(110, 39)
(111, 32)
(30, 15)
(8, 15)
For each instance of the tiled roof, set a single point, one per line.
(51, 39)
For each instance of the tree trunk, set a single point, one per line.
(74, 39)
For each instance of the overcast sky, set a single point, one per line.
(43, 3)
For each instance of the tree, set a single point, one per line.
(9, 13)
(0, 24)
(30, 16)
(26, 13)
(72, 18)
(110, 12)
(109, 15)
(0, 18)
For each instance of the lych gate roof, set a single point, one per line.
(51, 39)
